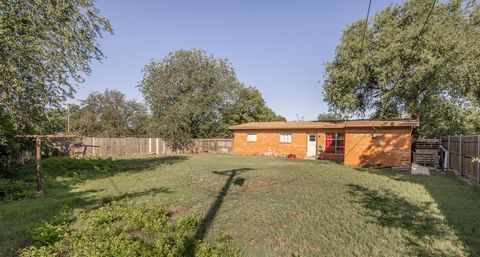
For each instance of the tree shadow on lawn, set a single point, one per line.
(457, 201)
(84, 169)
(60, 179)
(208, 219)
(390, 210)
(151, 191)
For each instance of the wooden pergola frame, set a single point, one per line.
(38, 155)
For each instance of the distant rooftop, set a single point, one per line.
(327, 124)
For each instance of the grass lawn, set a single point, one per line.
(270, 206)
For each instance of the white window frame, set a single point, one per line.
(251, 137)
(286, 138)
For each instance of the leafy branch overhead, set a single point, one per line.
(47, 47)
(400, 72)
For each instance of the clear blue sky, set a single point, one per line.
(277, 46)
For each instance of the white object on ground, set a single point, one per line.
(419, 169)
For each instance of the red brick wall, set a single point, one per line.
(390, 147)
(270, 140)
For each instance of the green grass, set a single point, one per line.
(270, 206)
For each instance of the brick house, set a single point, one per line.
(353, 142)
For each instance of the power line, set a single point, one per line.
(423, 27)
(363, 40)
(366, 24)
(364, 32)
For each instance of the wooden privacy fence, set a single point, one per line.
(461, 150)
(216, 145)
(129, 146)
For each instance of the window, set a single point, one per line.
(311, 138)
(252, 137)
(286, 138)
(335, 143)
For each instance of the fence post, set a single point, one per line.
(460, 155)
(93, 147)
(448, 153)
(156, 146)
(149, 145)
(478, 156)
(164, 148)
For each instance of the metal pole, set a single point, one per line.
(38, 159)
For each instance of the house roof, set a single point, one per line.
(326, 124)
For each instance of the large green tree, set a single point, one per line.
(194, 95)
(248, 105)
(109, 114)
(45, 48)
(409, 66)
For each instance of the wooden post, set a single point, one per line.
(93, 148)
(149, 145)
(448, 153)
(156, 146)
(38, 156)
(478, 156)
(460, 155)
(164, 147)
(38, 160)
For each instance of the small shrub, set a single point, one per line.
(50, 232)
(296, 254)
(120, 229)
(216, 250)
(15, 189)
(187, 223)
(47, 234)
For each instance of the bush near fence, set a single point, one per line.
(104, 147)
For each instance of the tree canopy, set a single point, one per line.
(109, 114)
(46, 47)
(195, 95)
(248, 105)
(329, 116)
(401, 70)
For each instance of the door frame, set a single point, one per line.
(316, 144)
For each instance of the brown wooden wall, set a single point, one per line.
(461, 150)
(103, 147)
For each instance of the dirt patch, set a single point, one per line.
(173, 209)
(260, 185)
(302, 215)
(284, 241)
